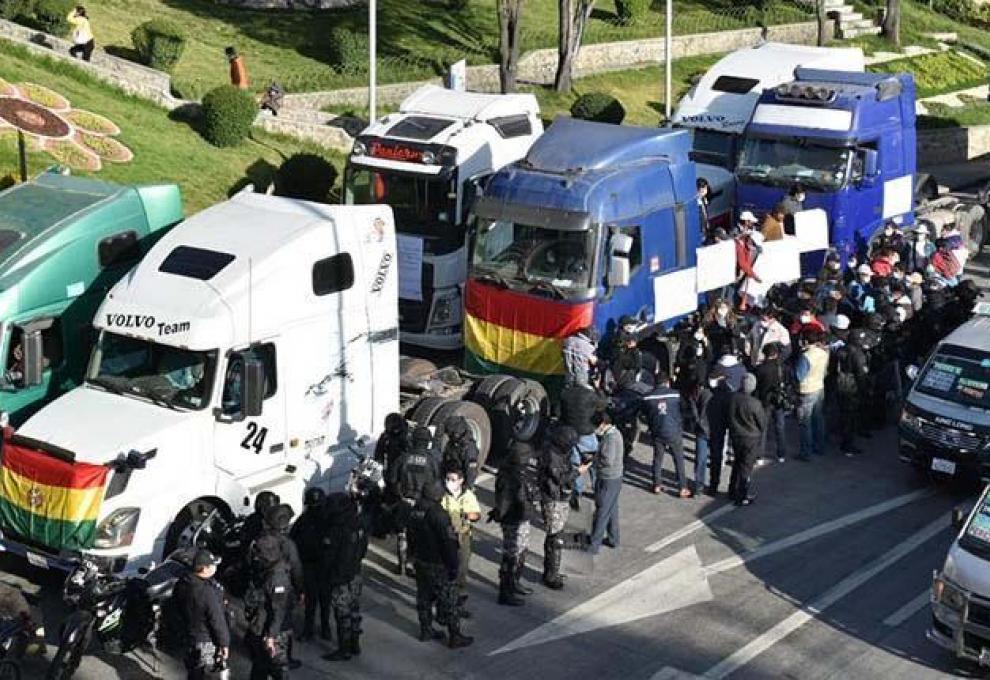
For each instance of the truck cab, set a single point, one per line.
(719, 106)
(64, 241)
(578, 234)
(254, 348)
(429, 162)
(961, 590)
(945, 424)
(848, 138)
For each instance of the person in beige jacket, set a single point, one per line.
(773, 224)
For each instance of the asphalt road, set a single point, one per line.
(825, 576)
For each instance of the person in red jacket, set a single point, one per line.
(748, 248)
(883, 263)
(945, 264)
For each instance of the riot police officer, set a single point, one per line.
(556, 481)
(435, 550)
(413, 470)
(394, 441)
(511, 510)
(307, 534)
(345, 543)
(200, 604)
(264, 502)
(266, 606)
(461, 451)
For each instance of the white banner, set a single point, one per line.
(811, 230)
(458, 76)
(780, 262)
(716, 266)
(675, 294)
(410, 249)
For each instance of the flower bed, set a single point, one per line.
(107, 148)
(43, 96)
(91, 122)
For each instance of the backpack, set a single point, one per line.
(845, 380)
(782, 395)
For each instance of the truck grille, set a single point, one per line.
(950, 438)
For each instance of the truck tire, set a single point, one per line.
(413, 369)
(537, 407)
(484, 392)
(478, 423)
(187, 521)
(423, 411)
(517, 409)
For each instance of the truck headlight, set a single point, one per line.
(117, 530)
(946, 593)
(446, 308)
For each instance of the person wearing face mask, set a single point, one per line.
(773, 223)
(899, 298)
(461, 450)
(768, 330)
(891, 238)
(861, 291)
(915, 291)
(723, 329)
(805, 321)
(697, 402)
(752, 290)
(831, 271)
(694, 356)
(945, 264)
(883, 262)
(718, 424)
(793, 203)
(462, 505)
(921, 249)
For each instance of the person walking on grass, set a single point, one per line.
(83, 42)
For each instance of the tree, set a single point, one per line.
(892, 22)
(821, 15)
(509, 17)
(573, 16)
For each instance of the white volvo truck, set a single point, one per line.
(429, 162)
(254, 348)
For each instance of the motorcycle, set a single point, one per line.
(119, 614)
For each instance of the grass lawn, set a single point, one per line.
(938, 73)
(415, 36)
(942, 116)
(164, 150)
(917, 21)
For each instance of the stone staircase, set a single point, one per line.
(849, 22)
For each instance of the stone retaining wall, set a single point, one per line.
(539, 66)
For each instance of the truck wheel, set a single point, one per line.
(517, 411)
(422, 413)
(413, 369)
(185, 524)
(534, 409)
(484, 393)
(477, 420)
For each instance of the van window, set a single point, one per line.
(118, 249)
(958, 374)
(333, 274)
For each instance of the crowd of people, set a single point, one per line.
(721, 386)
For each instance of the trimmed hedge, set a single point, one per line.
(600, 107)
(632, 11)
(227, 115)
(14, 9)
(159, 43)
(50, 15)
(349, 49)
(306, 176)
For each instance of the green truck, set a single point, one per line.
(64, 241)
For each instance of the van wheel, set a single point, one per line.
(422, 413)
(186, 523)
(413, 369)
(477, 420)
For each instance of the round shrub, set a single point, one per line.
(51, 16)
(632, 11)
(457, 5)
(600, 107)
(306, 176)
(349, 49)
(227, 115)
(159, 43)
(14, 9)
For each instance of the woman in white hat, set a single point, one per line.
(922, 249)
(752, 290)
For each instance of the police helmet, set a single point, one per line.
(456, 427)
(314, 495)
(421, 436)
(279, 518)
(265, 501)
(395, 423)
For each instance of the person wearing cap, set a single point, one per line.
(555, 477)
(920, 252)
(861, 291)
(412, 471)
(768, 329)
(662, 412)
(747, 222)
(751, 288)
(200, 604)
(916, 291)
(434, 547)
(773, 224)
(747, 430)
(849, 375)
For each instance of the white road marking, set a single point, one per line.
(909, 609)
(747, 653)
(689, 529)
(673, 583)
(646, 593)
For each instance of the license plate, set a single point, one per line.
(984, 657)
(942, 465)
(36, 560)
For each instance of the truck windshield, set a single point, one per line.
(423, 205)
(169, 376)
(714, 148)
(783, 162)
(534, 258)
(959, 375)
(976, 538)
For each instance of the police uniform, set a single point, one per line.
(345, 544)
(413, 470)
(266, 606)
(307, 535)
(556, 480)
(511, 511)
(461, 451)
(662, 408)
(200, 603)
(434, 548)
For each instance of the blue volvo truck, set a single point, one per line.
(848, 138)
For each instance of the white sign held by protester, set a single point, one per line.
(410, 249)
(780, 262)
(716, 266)
(458, 76)
(811, 230)
(675, 294)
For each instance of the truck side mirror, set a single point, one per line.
(34, 358)
(618, 271)
(252, 387)
(870, 164)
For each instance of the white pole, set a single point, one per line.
(372, 52)
(668, 48)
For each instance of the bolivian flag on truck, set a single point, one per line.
(50, 501)
(505, 332)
